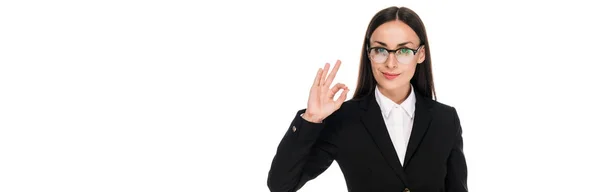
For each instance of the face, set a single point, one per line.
(393, 71)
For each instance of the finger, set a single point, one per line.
(317, 78)
(331, 76)
(324, 74)
(340, 100)
(335, 89)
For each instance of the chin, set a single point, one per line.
(391, 85)
(388, 85)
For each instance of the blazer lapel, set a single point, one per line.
(420, 126)
(373, 121)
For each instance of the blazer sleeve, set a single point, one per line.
(456, 178)
(305, 152)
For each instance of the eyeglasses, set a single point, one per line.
(404, 54)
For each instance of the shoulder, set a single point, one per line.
(349, 108)
(442, 112)
(442, 107)
(445, 113)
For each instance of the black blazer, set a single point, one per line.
(356, 137)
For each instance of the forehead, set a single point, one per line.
(394, 32)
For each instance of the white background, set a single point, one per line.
(187, 96)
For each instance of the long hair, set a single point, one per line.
(422, 80)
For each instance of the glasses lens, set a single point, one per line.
(379, 55)
(404, 55)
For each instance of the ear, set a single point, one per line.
(421, 55)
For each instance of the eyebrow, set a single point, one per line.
(399, 45)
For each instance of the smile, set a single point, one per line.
(390, 76)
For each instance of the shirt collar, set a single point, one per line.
(387, 104)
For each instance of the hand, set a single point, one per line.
(320, 100)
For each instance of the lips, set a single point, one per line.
(390, 76)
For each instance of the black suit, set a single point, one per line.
(356, 137)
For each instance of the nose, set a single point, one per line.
(392, 61)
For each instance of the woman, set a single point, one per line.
(392, 135)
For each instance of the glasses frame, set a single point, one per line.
(393, 51)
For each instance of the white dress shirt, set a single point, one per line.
(398, 120)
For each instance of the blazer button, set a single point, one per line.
(406, 190)
(293, 128)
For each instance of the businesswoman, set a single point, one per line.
(392, 135)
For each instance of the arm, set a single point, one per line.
(456, 178)
(304, 153)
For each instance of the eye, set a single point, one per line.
(380, 50)
(405, 51)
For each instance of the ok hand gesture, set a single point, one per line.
(320, 101)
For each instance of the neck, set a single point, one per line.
(397, 95)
